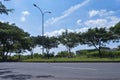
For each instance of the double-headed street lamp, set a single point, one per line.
(42, 13)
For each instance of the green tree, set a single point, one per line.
(49, 43)
(116, 32)
(32, 44)
(12, 39)
(97, 37)
(38, 40)
(70, 40)
(3, 9)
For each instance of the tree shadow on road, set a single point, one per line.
(24, 76)
(4, 69)
(6, 73)
(17, 77)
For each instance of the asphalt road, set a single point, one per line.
(59, 71)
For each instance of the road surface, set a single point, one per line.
(59, 71)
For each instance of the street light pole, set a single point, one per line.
(42, 13)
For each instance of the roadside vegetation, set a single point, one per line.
(14, 42)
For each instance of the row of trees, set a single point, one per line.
(15, 40)
(97, 37)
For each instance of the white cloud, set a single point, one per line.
(103, 22)
(84, 29)
(66, 13)
(93, 13)
(74, 8)
(96, 23)
(112, 20)
(55, 33)
(79, 22)
(102, 12)
(24, 15)
(59, 32)
(104, 19)
(23, 19)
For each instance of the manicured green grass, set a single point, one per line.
(73, 60)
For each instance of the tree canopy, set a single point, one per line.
(12, 39)
(3, 9)
(96, 37)
(70, 40)
(116, 31)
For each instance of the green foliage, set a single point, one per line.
(4, 10)
(92, 54)
(64, 54)
(116, 29)
(105, 54)
(81, 52)
(97, 37)
(48, 43)
(12, 39)
(69, 40)
(50, 55)
(116, 54)
(36, 55)
(116, 32)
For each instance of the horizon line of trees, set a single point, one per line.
(14, 40)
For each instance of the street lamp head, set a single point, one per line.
(35, 5)
(49, 12)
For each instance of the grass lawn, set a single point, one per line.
(73, 60)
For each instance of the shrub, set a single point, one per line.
(64, 54)
(105, 54)
(36, 55)
(81, 52)
(45, 55)
(116, 54)
(93, 54)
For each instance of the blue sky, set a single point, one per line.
(74, 15)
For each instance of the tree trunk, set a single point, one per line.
(47, 50)
(3, 53)
(6, 56)
(3, 57)
(31, 54)
(69, 51)
(100, 53)
(19, 57)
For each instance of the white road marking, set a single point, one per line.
(74, 68)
